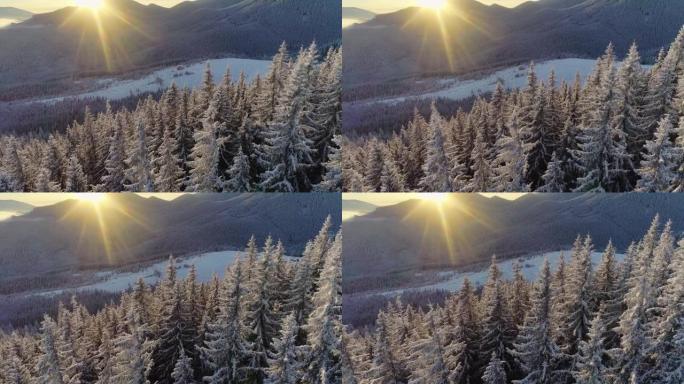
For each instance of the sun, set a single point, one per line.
(437, 198)
(94, 198)
(436, 5)
(91, 4)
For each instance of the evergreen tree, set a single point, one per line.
(590, 368)
(510, 172)
(204, 172)
(659, 160)
(182, 372)
(139, 173)
(554, 178)
(238, 179)
(170, 174)
(115, 165)
(284, 365)
(495, 372)
(535, 350)
(288, 149)
(75, 178)
(226, 344)
(324, 326)
(436, 167)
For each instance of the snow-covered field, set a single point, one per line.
(453, 281)
(207, 264)
(189, 76)
(513, 77)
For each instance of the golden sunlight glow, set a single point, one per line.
(437, 198)
(436, 5)
(92, 4)
(94, 198)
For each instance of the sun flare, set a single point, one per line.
(94, 198)
(436, 5)
(91, 4)
(437, 198)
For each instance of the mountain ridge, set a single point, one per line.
(478, 227)
(140, 36)
(70, 234)
(497, 36)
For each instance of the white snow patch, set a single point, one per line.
(453, 281)
(185, 76)
(512, 78)
(206, 264)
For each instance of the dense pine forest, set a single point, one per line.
(622, 129)
(268, 320)
(620, 322)
(276, 134)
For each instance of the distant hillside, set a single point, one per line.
(358, 206)
(67, 43)
(14, 206)
(14, 13)
(69, 235)
(357, 14)
(412, 235)
(477, 36)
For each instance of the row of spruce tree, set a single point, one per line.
(276, 133)
(622, 130)
(269, 320)
(620, 323)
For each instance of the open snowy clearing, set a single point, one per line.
(453, 281)
(206, 264)
(185, 76)
(512, 77)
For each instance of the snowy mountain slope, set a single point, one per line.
(206, 264)
(512, 77)
(453, 281)
(184, 76)
(65, 44)
(69, 235)
(393, 46)
(475, 228)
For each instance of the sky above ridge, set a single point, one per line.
(40, 6)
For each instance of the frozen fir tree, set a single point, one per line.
(139, 173)
(169, 175)
(535, 349)
(238, 178)
(510, 171)
(287, 147)
(436, 167)
(659, 160)
(75, 178)
(284, 364)
(204, 171)
(115, 178)
(182, 372)
(590, 368)
(495, 372)
(554, 178)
